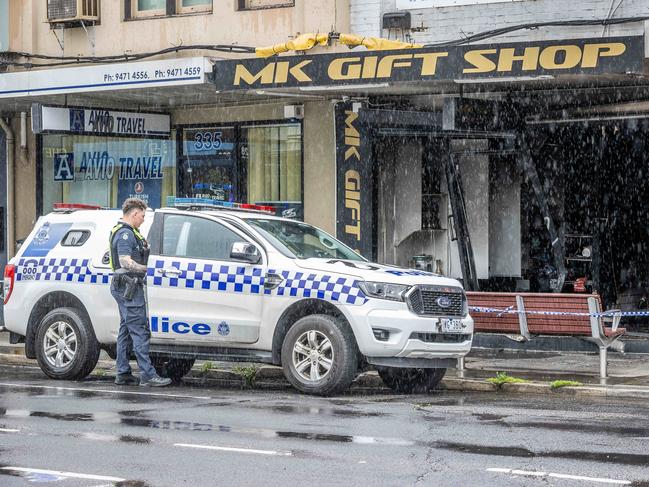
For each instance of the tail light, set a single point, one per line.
(10, 276)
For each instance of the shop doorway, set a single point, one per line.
(449, 204)
(596, 172)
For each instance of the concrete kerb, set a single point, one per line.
(271, 377)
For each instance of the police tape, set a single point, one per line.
(511, 310)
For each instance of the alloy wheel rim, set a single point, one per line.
(313, 355)
(60, 344)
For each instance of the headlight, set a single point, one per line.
(384, 290)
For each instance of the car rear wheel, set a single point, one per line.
(319, 355)
(66, 346)
(411, 381)
(173, 368)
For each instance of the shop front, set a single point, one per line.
(513, 166)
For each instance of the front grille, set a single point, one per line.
(440, 337)
(425, 301)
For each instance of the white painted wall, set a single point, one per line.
(504, 220)
(450, 23)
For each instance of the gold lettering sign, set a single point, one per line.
(272, 73)
(352, 202)
(417, 64)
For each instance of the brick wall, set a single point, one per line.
(450, 23)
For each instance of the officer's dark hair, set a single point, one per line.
(133, 204)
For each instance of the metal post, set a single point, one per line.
(460, 364)
(603, 352)
(460, 222)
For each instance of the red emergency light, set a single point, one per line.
(75, 206)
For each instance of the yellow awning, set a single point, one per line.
(375, 43)
(302, 42)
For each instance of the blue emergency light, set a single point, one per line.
(177, 202)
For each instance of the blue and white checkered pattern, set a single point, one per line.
(66, 270)
(208, 277)
(320, 286)
(250, 280)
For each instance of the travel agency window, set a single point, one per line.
(159, 8)
(106, 169)
(258, 163)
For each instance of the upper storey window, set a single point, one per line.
(259, 4)
(163, 8)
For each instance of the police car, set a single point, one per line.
(234, 283)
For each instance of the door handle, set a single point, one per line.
(170, 271)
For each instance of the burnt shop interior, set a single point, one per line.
(259, 163)
(483, 202)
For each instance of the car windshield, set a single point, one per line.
(302, 240)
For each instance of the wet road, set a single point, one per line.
(92, 433)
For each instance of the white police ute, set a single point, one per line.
(234, 283)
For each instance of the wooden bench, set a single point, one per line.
(531, 314)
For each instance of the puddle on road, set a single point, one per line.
(433, 418)
(124, 396)
(134, 439)
(489, 417)
(583, 428)
(265, 433)
(632, 459)
(111, 438)
(44, 477)
(62, 417)
(347, 413)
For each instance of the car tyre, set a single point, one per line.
(66, 345)
(411, 381)
(319, 355)
(173, 368)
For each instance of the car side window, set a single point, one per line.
(196, 237)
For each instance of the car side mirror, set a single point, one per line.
(246, 252)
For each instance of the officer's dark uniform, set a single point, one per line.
(134, 334)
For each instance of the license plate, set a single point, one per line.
(451, 326)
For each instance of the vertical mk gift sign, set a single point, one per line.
(353, 181)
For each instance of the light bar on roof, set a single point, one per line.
(208, 203)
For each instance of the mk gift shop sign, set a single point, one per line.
(611, 55)
(98, 121)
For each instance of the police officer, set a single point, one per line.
(128, 256)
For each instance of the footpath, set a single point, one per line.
(487, 370)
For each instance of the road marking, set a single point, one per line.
(237, 450)
(71, 475)
(528, 473)
(105, 391)
(8, 430)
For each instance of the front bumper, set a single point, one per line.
(410, 336)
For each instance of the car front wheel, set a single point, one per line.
(319, 355)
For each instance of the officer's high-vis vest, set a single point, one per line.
(113, 257)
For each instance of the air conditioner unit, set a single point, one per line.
(72, 13)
